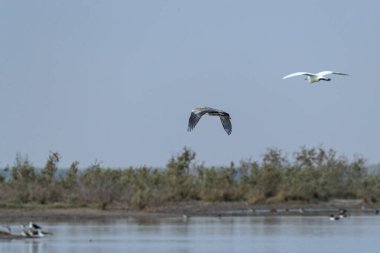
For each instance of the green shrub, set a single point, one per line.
(311, 175)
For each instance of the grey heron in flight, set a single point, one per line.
(198, 112)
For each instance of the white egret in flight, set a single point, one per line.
(313, 78)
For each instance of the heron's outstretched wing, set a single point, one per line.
(195, 116)
(299, 74)
(226, 122)
(328, 72)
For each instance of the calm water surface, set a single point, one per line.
(207, 234)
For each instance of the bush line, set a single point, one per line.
(313, 175)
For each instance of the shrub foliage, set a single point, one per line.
(311, 175)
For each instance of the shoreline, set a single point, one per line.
(49, 213)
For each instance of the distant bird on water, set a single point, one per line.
(34, 226)
(313, 78)
(333, 217)
(33, 231)
(8, 228)
(198, 112)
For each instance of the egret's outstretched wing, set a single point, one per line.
(299, 74)
(195, 116)
(226, 123)
(328, 72)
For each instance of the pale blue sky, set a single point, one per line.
(115, 81)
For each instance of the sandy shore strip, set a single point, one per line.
(355, 207)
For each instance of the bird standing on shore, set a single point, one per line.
(198, 112)
(313, 78)
(343, 213)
